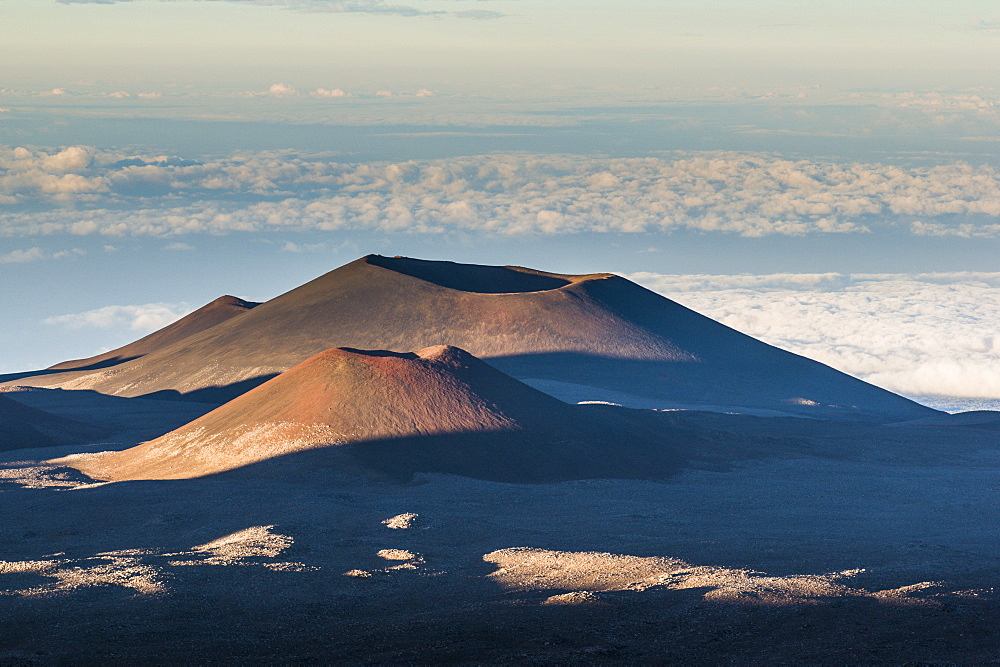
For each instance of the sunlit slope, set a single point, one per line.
(439, 409)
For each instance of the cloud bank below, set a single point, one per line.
(83, 190)
(925, 336)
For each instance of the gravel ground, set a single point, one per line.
(866, 547)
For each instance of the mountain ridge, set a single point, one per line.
(214, 312)
(590, 329)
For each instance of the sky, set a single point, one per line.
(155, 154)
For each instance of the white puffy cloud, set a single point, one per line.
(23, 255)
(72, 159)
(324, 92)
(291, 246)
(143, 318)
(58, 174)
(281, 90)
(73, 252)
(116, 194)
(35, 254)
(961, 229)
(304, 247)
(919, 335)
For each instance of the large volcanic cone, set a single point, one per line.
(599, 330)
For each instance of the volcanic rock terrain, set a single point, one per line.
(436, 410)
(206, 317)
(599, 330)
(22, 426)
(350, 504)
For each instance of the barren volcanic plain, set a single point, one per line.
(420, 461)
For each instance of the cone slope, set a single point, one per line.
(24, 427)
(341, 397)
(206, 317)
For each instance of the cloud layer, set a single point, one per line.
(82, 190)
(919, 335)
(143, 319)
(35, 254)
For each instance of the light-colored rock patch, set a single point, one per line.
(73, 575)
(575, 597)
(33, 476)
(247, 543)
(360, 574)
(244, 547)
(144, 570)
(402, 521)
(527, 569)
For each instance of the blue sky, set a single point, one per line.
(155, 154)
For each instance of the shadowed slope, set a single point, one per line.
(473, 277)
(24, 427)
(404, 405)
(599, 330)
(206, 317)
